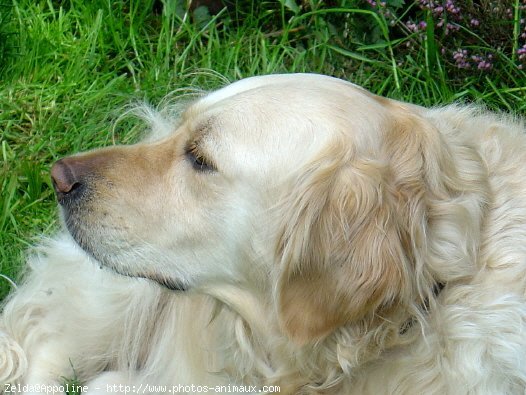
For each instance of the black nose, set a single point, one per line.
(67, 179)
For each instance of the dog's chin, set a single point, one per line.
(164, 281)
(105, 261)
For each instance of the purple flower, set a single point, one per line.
(451, 8)
(451, 28)
(484, 65)
(461, 59)
(460, 54)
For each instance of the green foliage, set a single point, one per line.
(476, 49)
(8, 44)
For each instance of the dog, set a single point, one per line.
(287, 233)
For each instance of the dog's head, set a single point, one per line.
(306, 188)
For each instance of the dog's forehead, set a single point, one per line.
(268, 122)
(292, 99)
(283, 83)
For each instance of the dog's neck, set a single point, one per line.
(250, 306)
(331, 362)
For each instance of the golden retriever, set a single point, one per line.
(290, 233)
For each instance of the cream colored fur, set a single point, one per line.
(313, 252)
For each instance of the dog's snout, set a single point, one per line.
(68, 176)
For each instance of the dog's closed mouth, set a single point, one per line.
(171, 284)
(168, 283)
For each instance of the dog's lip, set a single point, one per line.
(171, 284)
(168, 283)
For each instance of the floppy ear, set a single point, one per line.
(343, 248)
(363, 236)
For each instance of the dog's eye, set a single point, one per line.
(196, 158)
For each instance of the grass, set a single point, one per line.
(73, 66)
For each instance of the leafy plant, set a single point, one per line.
(8, 44)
